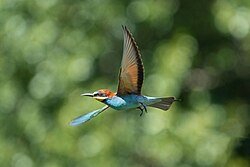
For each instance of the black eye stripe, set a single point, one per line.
(99, 94)
(95, 94)
(102, 94)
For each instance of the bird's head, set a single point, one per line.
(100, 95)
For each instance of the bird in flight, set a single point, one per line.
(128, 95)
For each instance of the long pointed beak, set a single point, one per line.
(87, 94)
(100, 98)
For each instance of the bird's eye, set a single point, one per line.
(102, 95)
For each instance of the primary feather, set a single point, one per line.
(132, 70)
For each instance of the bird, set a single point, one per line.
(128, 95)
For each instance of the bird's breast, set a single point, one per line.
(124, 102)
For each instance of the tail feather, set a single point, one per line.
(165, 103)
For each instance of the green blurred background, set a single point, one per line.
(51, 51)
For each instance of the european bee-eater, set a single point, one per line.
(128, 95)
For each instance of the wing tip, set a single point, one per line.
(77, 122)
(72, 123)
(124, 27)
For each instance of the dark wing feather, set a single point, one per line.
(132, 70)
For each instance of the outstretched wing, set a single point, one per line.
(131, 71)
(86, 117)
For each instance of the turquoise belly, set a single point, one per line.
(123, 102)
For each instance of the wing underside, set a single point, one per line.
(86, 117)
(132, 70)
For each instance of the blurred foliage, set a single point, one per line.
(51, 51)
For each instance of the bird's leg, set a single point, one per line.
(145, 108)
(142, 107)
(141, 111)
